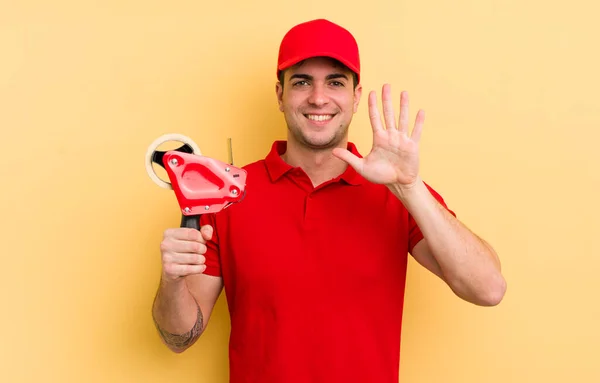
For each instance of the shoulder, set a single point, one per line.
(256, 172)
(256, 166)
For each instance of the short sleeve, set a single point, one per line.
(213, 260)
(414, 232)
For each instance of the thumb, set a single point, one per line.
(207, 232)
(349, 157)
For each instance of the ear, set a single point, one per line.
(279, 93)
(357, 94)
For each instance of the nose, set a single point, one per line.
(318, 95)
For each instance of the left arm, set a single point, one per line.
(450, 250)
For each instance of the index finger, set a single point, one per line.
(184, 234)
(374, 112)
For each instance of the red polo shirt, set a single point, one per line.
(314, 277)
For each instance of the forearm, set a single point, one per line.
(177, 316)
(468, 264)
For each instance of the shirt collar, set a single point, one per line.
(277, 167)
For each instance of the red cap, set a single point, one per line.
(318, 38)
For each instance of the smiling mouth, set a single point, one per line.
(319, 117)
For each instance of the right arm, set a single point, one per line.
(185, 297)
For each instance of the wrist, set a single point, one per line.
(172, 285)
(411, 193)
(171, 294)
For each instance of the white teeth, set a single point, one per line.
(319, 117)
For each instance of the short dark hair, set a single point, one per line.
(354, 76)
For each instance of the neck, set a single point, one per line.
(319, 165)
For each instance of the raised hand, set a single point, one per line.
(394, 158)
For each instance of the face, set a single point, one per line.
(318, 100)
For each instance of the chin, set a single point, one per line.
(325, 137)
(321, 143)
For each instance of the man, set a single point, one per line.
(313, 260)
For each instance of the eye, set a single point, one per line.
(337, 83)
(300, 83)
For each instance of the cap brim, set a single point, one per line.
(293, 61)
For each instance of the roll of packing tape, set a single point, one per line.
(152, 149)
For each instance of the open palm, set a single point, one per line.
(394, 158)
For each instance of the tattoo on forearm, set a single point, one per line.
(182, 341)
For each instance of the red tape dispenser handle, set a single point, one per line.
(201, 184)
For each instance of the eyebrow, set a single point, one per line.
(329, 77)
(336, 75)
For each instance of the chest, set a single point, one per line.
(289, 241)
